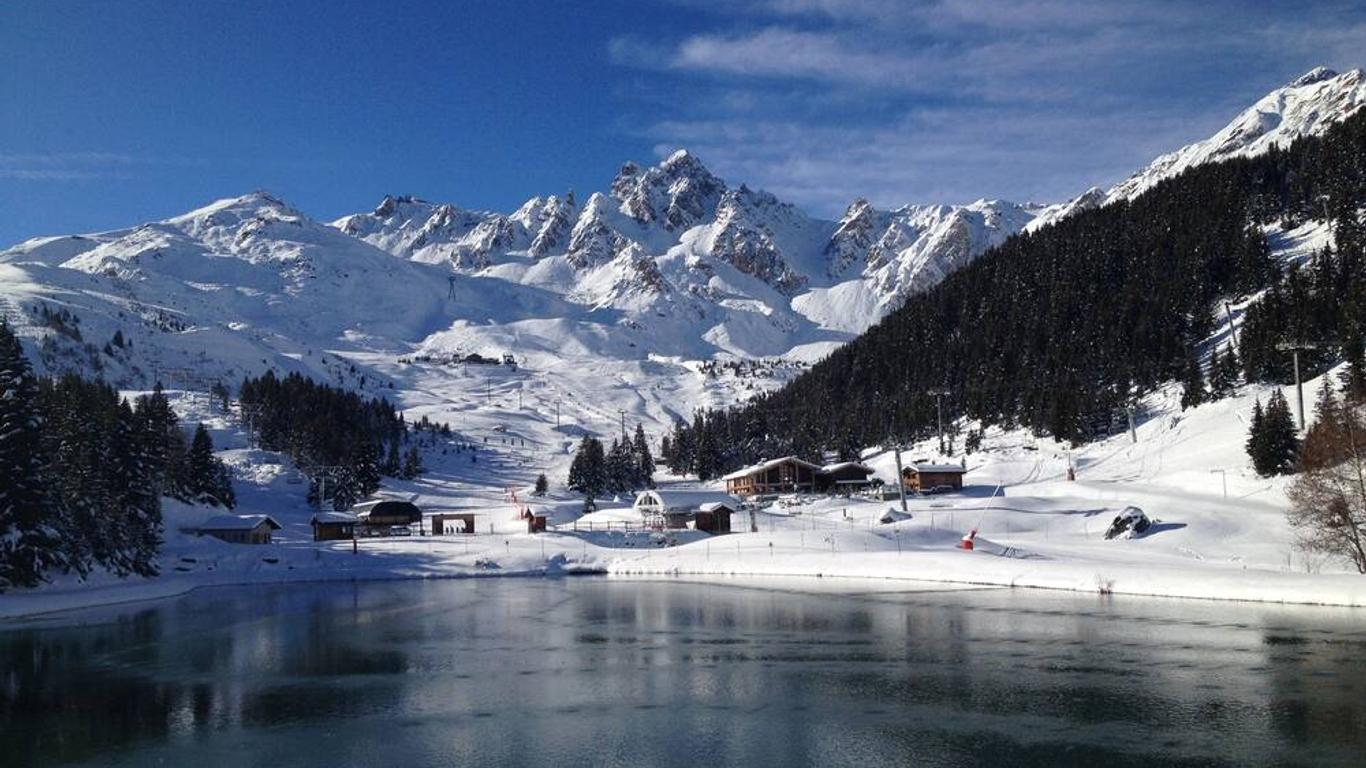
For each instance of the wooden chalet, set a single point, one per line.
(786, 475)
(333, 526)
(929, 478)
(240, 529)
(845, 477)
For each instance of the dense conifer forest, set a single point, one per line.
(344, 442)
(1061, 330)
(83, 472)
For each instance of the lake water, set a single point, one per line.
(599, 671)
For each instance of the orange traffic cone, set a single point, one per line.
(966, 542)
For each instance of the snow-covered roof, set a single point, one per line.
(938, 468)
(685, 500)
(392, 506)
(333, 517)
(238, 523)
(766, 465)
(712, 506)
(837, 466)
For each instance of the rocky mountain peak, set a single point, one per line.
(1315, 75)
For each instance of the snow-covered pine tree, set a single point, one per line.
(619, 468)
(133, 531)
(587, 472)
(29, 543)
(645, 462)
(166, 447)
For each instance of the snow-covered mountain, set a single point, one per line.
(670, 263)
(1306, 106)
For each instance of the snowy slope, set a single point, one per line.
(1306, 106)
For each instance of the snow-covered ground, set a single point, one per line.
(1034, 527)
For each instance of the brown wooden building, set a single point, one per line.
(786, 475)
(240, 529)
(333, 526)
(845, 477)
(929, 478)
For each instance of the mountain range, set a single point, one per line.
(671, 263)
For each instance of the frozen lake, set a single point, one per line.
(601, 671)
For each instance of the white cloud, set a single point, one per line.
(952, 100)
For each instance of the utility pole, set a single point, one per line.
(488, 389)
(896, 449)
(939, 395)
(321, 472)
(1133, 432)
(1232, 338)
(1224, 474)
(1294, 348)
(557, 413)
(622, 411)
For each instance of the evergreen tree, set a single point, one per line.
(393, 465)
(587, 472)
(1192, 383)
(1224, 371)
(208, 479)
(1256, 439)
(542, 485)
(621, 468)
(29, 544)
(645, 474)
(1273, 443)
(365, 475)
(134, 532)
(412, 464)
(1354, 378)
(707, 457)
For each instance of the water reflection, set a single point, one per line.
(610, 672)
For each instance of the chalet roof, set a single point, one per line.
(842, 465)
(712, 506)
(333, 518)
(943, 469)
(238, 523)
(688, 500)
(764, 466)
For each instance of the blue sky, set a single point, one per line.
(113, 113)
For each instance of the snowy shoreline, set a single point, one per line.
(694, 561)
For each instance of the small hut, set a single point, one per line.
(933, 478)
(381, 517)
(240, 529)
(333, 526)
